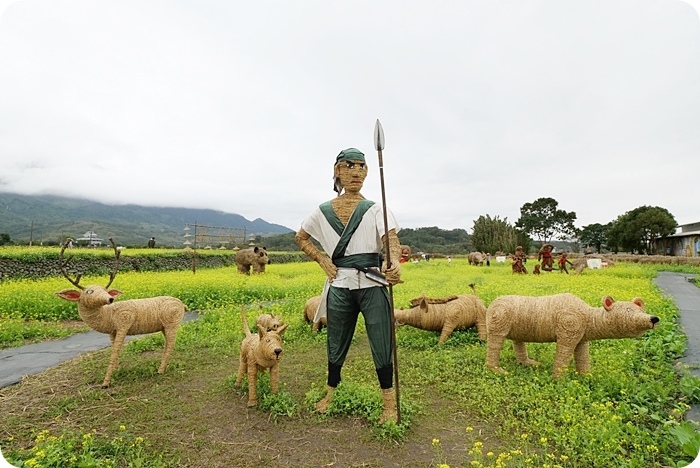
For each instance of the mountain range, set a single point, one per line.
(49, 219)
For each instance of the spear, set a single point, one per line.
(379, 146)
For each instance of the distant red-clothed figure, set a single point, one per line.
(562, 263)
(545, 256)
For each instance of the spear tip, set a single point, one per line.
(378, 136)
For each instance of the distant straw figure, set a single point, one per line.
(545, 256)
(518, 261)
(562, 263)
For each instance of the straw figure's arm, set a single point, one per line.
(393, 273)
(303, 240)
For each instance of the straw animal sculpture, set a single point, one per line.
(476, 258)
(268, 321)
(445, 315)
(255, 258)
(98, 310)
(310, 309)
(536, 270)
(564, 319)
(259, 352)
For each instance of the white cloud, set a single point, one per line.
(243, 107)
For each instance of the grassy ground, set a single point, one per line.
(195, 417)
(455, 411)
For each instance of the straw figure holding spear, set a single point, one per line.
(352, 232)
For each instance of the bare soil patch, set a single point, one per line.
(192, 414)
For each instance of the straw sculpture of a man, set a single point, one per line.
(350, 229)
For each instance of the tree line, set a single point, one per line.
(540, 222)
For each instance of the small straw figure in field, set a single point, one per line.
(545, 256)
(562, 263)
(519, 260)
(98, 310)
(351, 231)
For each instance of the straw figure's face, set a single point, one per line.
(627, 319)
(352, 175)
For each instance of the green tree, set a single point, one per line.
(493, 235)
(543, 220)
(4, 238)
(435, 240)
(595, 235)
(636, 230)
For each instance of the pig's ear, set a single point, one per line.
(423, 304)
(638, 302)
(608, 301)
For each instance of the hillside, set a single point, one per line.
(48, 219)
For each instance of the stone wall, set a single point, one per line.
(11, 268)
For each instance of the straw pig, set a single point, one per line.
(445, 315)
(253, 257)
(564, 319)
(476, 258)
(259, 352)
(310, 309)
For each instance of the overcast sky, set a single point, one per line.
(242, 106)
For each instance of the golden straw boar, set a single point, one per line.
(445, 315)
(564, 319)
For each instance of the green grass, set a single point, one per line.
(627, 412)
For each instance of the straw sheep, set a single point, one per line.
(98, 310)
(564, 319)
(254, 257)
(310, 309)
(445, 315)
(259, 352)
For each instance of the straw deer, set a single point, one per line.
(98, 310)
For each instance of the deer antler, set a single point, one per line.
(115, 270)
(64, 263)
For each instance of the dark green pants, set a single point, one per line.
(344, 306)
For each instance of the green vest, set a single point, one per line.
(338, 257)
